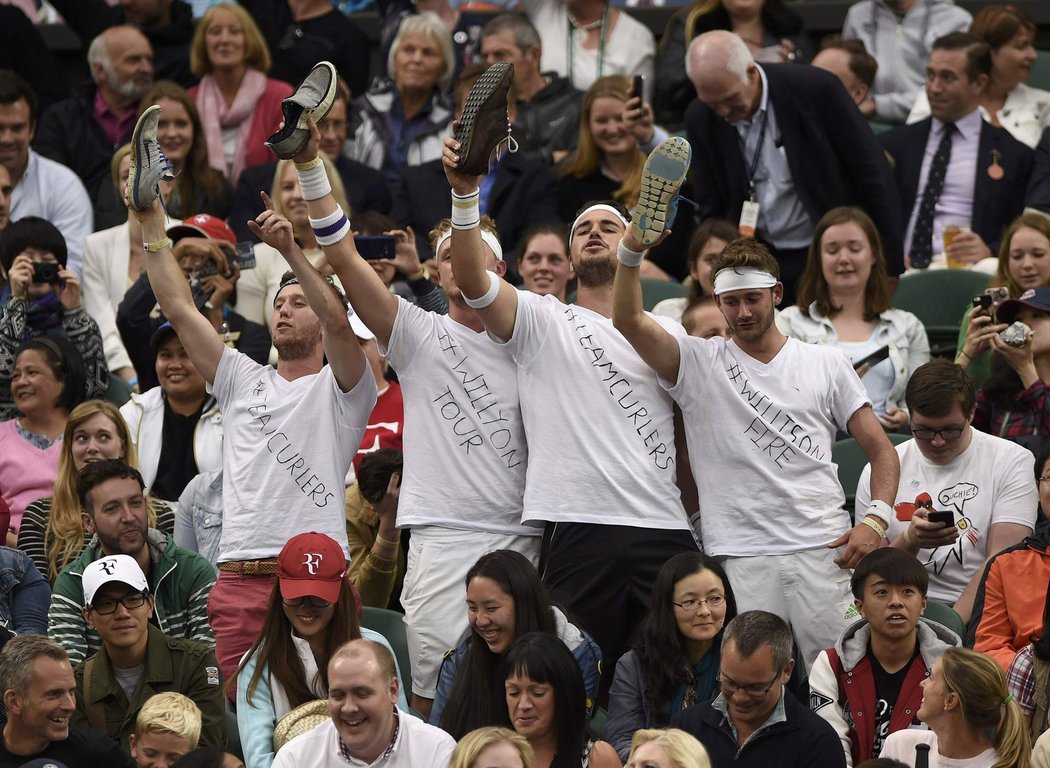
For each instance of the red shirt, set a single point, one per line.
(385, 424)
(116, 127)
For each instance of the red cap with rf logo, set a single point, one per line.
(311, 565)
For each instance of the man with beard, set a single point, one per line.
(764, 410)
(461, 410)
(114, 511)
(82, 131)
(602, 462)
(290, 434)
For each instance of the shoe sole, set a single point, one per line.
(495, 80)
(665, 170)
(147, 122)
(286, 142)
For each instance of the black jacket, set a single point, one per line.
(550, 120)
(1039, 185)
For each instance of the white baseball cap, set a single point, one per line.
(120, 568)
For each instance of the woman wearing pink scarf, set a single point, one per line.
(239, 105)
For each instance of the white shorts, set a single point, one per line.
(435, 597)
(806, 589)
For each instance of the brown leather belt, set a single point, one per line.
(250, 567)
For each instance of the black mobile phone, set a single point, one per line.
(245, 255)
(45, 272)
(373, 247)
(638, 86)
(873, 359)
(945, 516)
(983, 301)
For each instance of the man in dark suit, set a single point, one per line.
(1039, 185)
(982, 184)
(788, 141)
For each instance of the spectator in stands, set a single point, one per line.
(24, 594)
(365, 188)
(702, 318)
(667, 748)
(208, 757)
(47, 384)
(1024, 264)
(311, 613)
(239, 105)
(492, 746)
(544, 263)
(518, 191)
(1028, 674)
(405, 274)
(5, 197)
(1039, 186)
(851, 63)
(505, 601)
(52, 531)
(428, 349)
(42, 300)
(82, 131)
(815, 394)
(870, 683)
(371, 527)
(1013, 403)
(547, 705)
(136, 659)
(770, 28)
(111, 494)
(705, 246)
(816, 152)
(845, 301)
(984, 188)
(674, 662)
(756, 664)
(312, 414)
(1011, 595)
(23, 49)
(198, 519)
(39, 696)
(35, 177)
(1006, 100)
(167, 727)
(546, 106)
(203, 246)
(363, 684)
(586, 39)
(968, 710)
(899, 34)
(985, 482)
(401, 122)
(300, 33)
(176, 427)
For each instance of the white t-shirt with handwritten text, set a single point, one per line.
(760, 437)
(286, 450)
(465, 451)
(992, 481)
(600, 427)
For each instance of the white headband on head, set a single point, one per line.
(740, 278)
(486, 237)
(596, 207)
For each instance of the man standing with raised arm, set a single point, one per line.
(602, 463)
(462, 423)
(763, 410)
(290, 434)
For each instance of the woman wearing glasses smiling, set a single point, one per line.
(676, 650)
(312, 612)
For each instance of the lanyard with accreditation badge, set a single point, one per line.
(749, 211)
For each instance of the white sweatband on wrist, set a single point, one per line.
(486, 237)
(330, 229)
(466, 210)
(489, 296)
(627, 257)
(741, 278)
(313, 181)
(880, 509)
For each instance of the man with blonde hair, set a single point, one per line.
(167, 727)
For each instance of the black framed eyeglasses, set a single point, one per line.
(132, 600)
(947, 434)
(309, 600)
(754, 690)
(712, 602)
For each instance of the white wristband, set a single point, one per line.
(627, 257)
(881, 510)
(466, 210)
(330, 229)
(489, 296)
(314, 182)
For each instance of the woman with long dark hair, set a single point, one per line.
(309, 616)
(676, 649)
(547, 705)
(505, 600)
